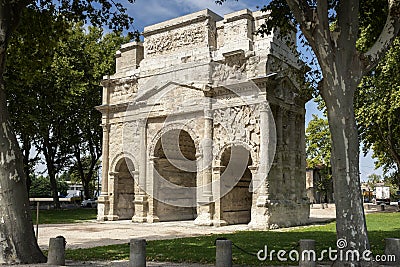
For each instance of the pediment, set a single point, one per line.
(171, 96)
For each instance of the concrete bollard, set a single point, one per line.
(392, 249)
(56, 255)
(223, 256)
(307, 254)
(137, 256)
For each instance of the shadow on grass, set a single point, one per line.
(75, 215)
(202, 249)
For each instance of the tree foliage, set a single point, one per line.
(318, 142)
(60, 117)
(19, 243)
(332, 29)
(318, 150)
(378, 113)
(41, 187)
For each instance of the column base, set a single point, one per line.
(219, 223)
(103, 205)
(141, 207)
(260, 225)
(112, 218)
(203, 219)
(139, 219)
(152, 219)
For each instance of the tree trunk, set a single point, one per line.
(17, 238)
(49, 156)
(54, 189)
(338, 94)
(86, 189)
(26, 149)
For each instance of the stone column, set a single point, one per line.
(137, 255)
(141, 204)
(199, 179)
(151, 185)
(261, 182)
(143, 155)
(279, 146)
(307, 253)
(207, 150)
(103, 203)
(56, 254)
(261, 176)
(223, 256)
(292, 154)
(205, 215)
(105, 159)
(217, 220)
(303, 157)
(113, 197)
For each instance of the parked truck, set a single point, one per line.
(382, 194)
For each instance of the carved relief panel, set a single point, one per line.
(240, 124)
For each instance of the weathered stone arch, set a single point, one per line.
(130, 160)
(123, 170)
(174, 185)
(174, 126)
(250, 148)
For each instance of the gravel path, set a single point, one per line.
(93, 233)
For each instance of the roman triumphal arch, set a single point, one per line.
(204, 121)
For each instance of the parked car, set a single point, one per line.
(89, 203)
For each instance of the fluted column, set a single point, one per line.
(113, 198)
(143, 156)
(103, 201)
(261, 176)
(218, 219)
(151, 186)
(207, 152)
(205, 202)
(105, 159)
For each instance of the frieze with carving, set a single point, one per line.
(235, 67)
(123, 92)
(175, 39)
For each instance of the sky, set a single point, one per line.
(148, 12)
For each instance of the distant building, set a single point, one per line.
(75, 189)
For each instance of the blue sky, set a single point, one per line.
(148, 12)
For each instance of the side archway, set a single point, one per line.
(123, 187)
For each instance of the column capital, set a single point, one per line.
(106, 127)
(264, 106)
(208, 114)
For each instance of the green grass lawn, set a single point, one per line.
(202, 249)
(64, 215)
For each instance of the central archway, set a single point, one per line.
(236, 204)
(175, 165)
